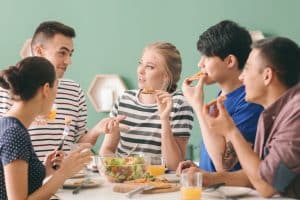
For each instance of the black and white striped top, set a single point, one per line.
(70, 102)
(144, 122)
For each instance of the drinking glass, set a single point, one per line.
(191, 186)
(85, 170)
(52, 114)
(155, 165)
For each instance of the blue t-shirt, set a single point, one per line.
(245, 116)
(15, 144)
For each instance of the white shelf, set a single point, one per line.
(104, 91)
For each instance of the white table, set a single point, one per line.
(105, 192)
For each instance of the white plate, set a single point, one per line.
(232, 191)
(73, 183)
(173, 178)
(80, 174)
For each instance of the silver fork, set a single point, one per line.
(132, 150)
(78, 188)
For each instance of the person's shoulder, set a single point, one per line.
(68, 83)
(177, 93)
(13, 128)
(293, 94)
(3, 92)
(179, 99)
(131, 93)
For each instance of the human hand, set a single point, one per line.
(76, 160)
(111, 124)
(164, 102)
(194, 94)
(54, 158)
(220, 122)
(184, 165)
(206, 176)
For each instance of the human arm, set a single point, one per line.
(249, 160)
(184, 165)
(111, 126)
(236, 178)
(55, 158)
(16, 176)
(214, 143)
(173, 147)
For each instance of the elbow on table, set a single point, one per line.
(266, 192)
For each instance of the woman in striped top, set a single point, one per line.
(155, 123)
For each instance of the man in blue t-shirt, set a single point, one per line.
(224, 50)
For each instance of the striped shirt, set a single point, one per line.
(70, 102)
(143, 121)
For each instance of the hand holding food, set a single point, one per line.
(212, 106)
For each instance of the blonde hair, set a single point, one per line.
(172, 62)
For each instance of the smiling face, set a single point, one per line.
(254, 77)
(151, 71)
(58, 51)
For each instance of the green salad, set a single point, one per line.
(124, 169)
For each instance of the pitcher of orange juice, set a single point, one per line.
(191, 186)
(155, 165)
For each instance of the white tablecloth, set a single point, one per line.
(105, 192)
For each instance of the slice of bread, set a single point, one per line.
(196, 76)
(148, 90)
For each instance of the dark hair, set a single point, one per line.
(284, 56)
(226, 38)
(172, 62)
(47, 30)
(24, 79)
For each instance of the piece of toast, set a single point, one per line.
(196, 76)
(148, 90)
(213, 110)
(214, 102)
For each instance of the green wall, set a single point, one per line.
(112, 33)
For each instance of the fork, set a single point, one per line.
(79, 187)
(132, 150)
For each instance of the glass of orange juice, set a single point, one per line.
(191, 186)
(52, 113)
(155, 165)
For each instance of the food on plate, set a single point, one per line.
(196, 76)
(148, 178)
(117, 169)
(157, 182)
(148, 90)
(79, 181)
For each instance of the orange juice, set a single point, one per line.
(190, 193)
(156, 170)
(52, 114)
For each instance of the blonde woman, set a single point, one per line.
(157, 121)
